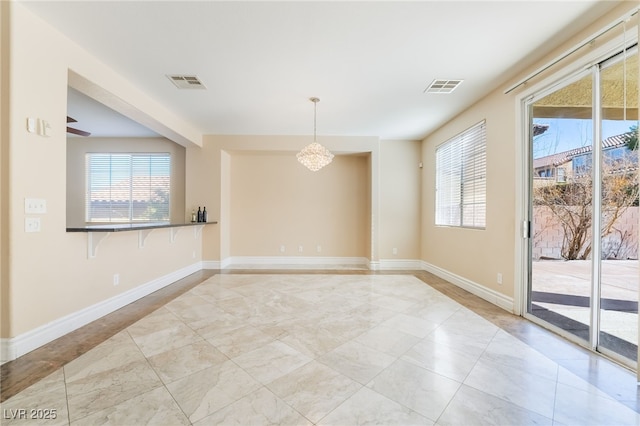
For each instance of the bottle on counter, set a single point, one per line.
(194, 218)
(199, 219)
(204, 214)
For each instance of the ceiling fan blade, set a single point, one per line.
(77, 132)
(71, 120)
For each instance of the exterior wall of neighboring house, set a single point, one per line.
(562, 166)
(622, 243)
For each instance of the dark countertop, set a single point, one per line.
(119, 227)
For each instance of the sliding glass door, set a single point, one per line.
(583, 207)
(618, 292)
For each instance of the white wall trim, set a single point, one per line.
(311, 262)
(213, 264)
(291, 262)
(12, 348)
(492, 296)
(407, 264)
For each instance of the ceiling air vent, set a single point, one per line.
(186, 81)
(443, 86)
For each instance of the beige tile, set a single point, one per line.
(115, 352)
(217, 324)
(166, 339)
(212, 292)
(185, 360)
(372, 314)
(574, 406)
(454, 362)
(367, 407)
(435, 309)
(394, 303)
(471, 407)
(388, 340)
(506, 350)
(193, 309)
(261, 407)
(239, 341)
(529, 391)
(314, 389)
(96, 392)
(44, 403)
(155, 407)
(161, 331)
(410, 325)
(313, 341)
(271, 361)
(357, 361)
(421, 390)
(567, 378)
(207, 391)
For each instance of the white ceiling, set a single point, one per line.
(368, 62)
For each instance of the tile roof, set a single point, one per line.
(566, 156)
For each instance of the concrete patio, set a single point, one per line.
(564, 288)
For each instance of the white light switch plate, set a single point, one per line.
(32, 224)
(35, 205)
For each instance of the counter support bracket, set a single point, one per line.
(142, 236)
(93, 240)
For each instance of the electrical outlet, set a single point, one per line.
(318, 248)
(116, 279)
(499, 278)
(35, 205)
(31, 125)
(394, 251)
(300, 249)
(44, 128)
(281, 249)
(32, 224)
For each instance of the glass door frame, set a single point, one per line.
(524, 215)
(527, 119)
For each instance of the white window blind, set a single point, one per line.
(128, 187)
(461, 179)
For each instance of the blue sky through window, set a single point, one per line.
(565, 134)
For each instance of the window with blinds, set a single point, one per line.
(461, 179)
(124, 187)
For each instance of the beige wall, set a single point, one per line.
(49, 273)
(477, 255)
(230, 165)
(77, 148)
(400, 209)
(275, 201)
(5, 306)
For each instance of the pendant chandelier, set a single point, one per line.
(314, 156)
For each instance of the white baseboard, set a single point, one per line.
(311, 262)
(407, 264)
(291, 262)
(14, 347)
(212, 264)
(492, 296)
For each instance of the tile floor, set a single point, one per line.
(328, 349)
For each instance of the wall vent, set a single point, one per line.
(186, 81)
(443, 86)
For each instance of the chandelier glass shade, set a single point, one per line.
(314, 156)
